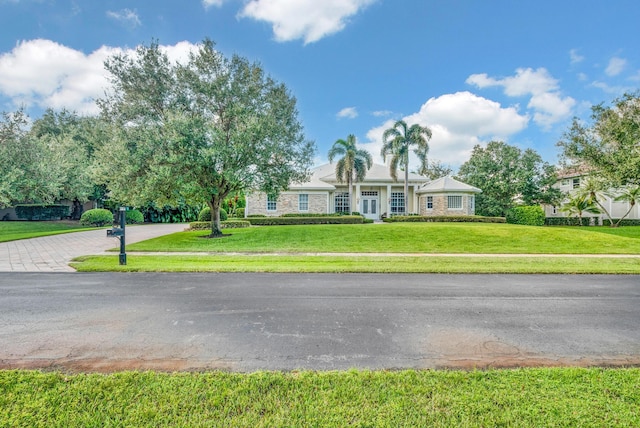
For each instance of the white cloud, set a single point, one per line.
(310, 20)
(126, 17)
(348, 113)
(612, 90)
(616, 66)
(208, 3)
(457, 122)
(548, 104)
(382, 113)
(47, 74)
(575, 56)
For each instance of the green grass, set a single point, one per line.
(407, 238)
(564, 397)
(369, 264)
(14, 230)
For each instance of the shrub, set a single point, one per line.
(229, 224)
(41, 212)
(526, 215)
(279, 221)
(444, 219)
(240, 212)
(569, 221)
(96, 217)
(205, 214)
(133, 217)
(180, 213)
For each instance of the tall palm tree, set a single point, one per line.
(354, 162)
(594, 189)
(397, 141)
(630, 195)
(578, 204)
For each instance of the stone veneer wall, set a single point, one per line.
(287, 204)
(440, 205)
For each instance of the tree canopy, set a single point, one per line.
(201, 130)
(609, 144)
(353, 163)
(508, 176)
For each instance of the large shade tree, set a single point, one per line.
(202, 130)
(397, 142)
(608, 144)
(508, 176)
(353, 163)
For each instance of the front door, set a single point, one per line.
(369, 205)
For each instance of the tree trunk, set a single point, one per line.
(214, 205)
(631, 205)
(406, 185)
(350, 185)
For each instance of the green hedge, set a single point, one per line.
(205, 214)
(569, 221)
(444, 219)
(313, 215)
(279, 221)
(134, 217)
(41, 212)
(181, 213)
(229, 224)
(526, 215)
(96, 217)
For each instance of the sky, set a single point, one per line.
(471, 70)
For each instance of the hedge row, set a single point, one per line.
(315, 215)
(444, 219)
(278, 221)
(229, 224)
(586, 221)
(41, 212)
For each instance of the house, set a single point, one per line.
(378, 195)
(570, 180)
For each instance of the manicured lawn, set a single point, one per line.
(13, 230)
(369, 264)
(569, 397)
(407, 238)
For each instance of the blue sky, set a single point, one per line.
(471, 70)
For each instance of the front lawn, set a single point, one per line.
(567, 397)
(443, 238)
(14, 230)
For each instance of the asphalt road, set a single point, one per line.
(246, 322)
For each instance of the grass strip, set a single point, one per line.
(592, 397)
(358, 264)
(473, 238)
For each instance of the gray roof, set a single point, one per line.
(447, 184)
(376, 174)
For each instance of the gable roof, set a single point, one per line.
(447, 184)
(376, 174)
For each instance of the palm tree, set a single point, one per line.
(397, 142)
(578, 204)
(630, 195)
(593, 189)
(354, 162)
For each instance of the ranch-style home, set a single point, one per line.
(569, 180)
(377, 196)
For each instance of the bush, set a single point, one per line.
(229, 224)
(133, 217)
(96, 217)
(526, 215)
(569, 221)
(279, 221)
(41, 212)
(180, 213)
(205, 214)
(240, 212)
(444, 219)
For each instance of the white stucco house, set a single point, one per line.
(570, 180)
(378, 195)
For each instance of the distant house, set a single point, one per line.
(570, 180)
(378, 195)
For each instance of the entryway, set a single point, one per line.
(369, 205)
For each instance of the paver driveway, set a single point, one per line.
(53, 253)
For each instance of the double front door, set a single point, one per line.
(369, 205)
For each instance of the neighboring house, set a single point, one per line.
(378, 195)
(9, 213)
(570, 180)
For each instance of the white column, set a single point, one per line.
(356, 199)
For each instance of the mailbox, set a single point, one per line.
(116, 232)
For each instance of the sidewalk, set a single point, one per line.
(53, 253)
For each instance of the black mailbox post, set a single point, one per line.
(119, 232)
